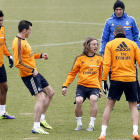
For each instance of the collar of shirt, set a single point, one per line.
(120, 35)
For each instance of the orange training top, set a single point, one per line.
(120, 55)
(90, 71)
(24, 58)
(3, 48)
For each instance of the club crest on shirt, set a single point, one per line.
(82, 62)
(97, 61)
(127, 23)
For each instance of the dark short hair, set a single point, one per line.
(1, 14)
(24, 24)
(119, 29)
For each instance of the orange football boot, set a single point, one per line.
(102, 137)
(136, 136)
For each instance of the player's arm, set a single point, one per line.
(41, 55)
(100, 74)
(17, 52)
(137, 54)
(71, 75)
(7, 53)
(100, 78)
(106, 63)
(106, 68)
(37, 55)
(135, 33)
(105, 37)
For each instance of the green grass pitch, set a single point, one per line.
(59, 28)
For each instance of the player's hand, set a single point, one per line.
(35, 73)
(45, 55)
(64, 91)
(104, 86)
(100, 94)
(11, 62)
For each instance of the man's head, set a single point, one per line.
(90, 45)
(119, 8)
(118, 29)
(1, 18)
(25, 27)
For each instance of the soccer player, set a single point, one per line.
(3, 77)
(120, 55)
(89, 66)
(34, 81)
(119, 17)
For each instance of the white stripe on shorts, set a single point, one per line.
(33, 85)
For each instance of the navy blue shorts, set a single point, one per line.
(35, 84)
(3, 75)
(117, 88)
(86, 92)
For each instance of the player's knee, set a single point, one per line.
(42, 99)
(51, 93)
(93, 101)
(79, 102)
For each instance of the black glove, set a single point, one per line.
(104, 86)
(11, 62)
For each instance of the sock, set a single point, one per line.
(92, 120)
(135, 129)
(104, 127)
(36, 125)
(79, 120)
(42, 117)
(2, 109)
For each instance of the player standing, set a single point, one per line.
(120, 55)
(3, 77)
(89, 66)
(34, 81)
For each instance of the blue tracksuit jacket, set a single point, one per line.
(130, 27)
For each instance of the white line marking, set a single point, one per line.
(69, 22)
(58, 44)
(46, 45)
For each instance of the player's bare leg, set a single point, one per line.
(78, 112)
(106, 116)
(93, 112)
(49, 92)
(3, 93)
(39, 107)
(135, 118)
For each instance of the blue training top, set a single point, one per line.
(130, 27)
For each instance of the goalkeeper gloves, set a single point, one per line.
(11, 62)
(104, 86)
